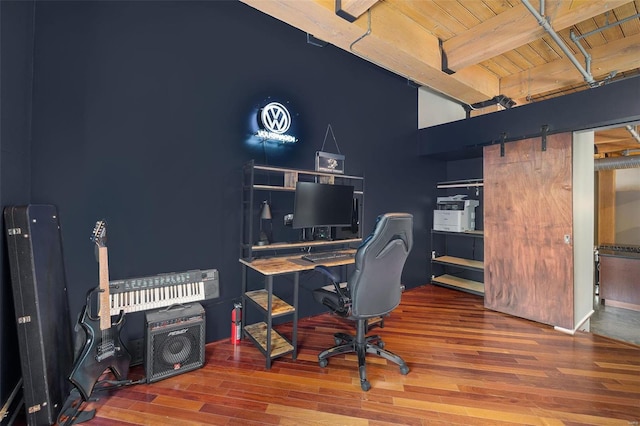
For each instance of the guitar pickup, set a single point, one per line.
(105, 350)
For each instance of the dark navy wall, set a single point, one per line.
(16, 47)
(140, 113)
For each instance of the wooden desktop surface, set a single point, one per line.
(292, 263)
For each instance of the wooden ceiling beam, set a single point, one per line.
(413, 53)
(620, 55)
(353, 9)
(517, 27)
(604, 140)
(609, 148)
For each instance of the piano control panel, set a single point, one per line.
(158, 291)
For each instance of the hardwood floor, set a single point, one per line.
(468, 366)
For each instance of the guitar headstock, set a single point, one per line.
(99, 234)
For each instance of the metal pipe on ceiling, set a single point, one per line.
(634, 132)
(614, 163)
(544, 23)
(587, 57)
(613, 24)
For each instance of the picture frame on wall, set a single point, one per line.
(329, 162)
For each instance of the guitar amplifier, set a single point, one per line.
(41, 309)
(175, 340)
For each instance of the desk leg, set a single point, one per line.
(244, 300)
(294, 340)
(269, 284)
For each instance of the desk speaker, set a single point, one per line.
(175, 340)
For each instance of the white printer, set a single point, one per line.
(455, 214)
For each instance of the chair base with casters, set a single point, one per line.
(361, 345)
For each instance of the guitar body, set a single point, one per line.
(102, 350)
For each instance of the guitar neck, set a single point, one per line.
(103, 299)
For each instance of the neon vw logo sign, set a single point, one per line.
(276, 120)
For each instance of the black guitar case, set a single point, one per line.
(41, 308)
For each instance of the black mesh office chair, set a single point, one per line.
(372, 290)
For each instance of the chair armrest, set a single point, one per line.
(326, 271)
(345, 300)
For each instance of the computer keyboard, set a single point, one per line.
(331, 255)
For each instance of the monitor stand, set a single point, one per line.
(306, 234)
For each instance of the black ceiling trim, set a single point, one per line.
(613, 104)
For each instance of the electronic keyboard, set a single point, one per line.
(157, 291)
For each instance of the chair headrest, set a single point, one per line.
(401, 223)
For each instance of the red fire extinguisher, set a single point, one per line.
(236, 323)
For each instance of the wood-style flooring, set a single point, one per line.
(469, 366)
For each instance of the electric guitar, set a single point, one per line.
(102, 347)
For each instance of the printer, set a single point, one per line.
(455, 214)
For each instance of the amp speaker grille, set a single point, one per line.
(175, 341)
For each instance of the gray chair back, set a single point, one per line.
(374, 285)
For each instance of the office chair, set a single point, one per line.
(372, 290)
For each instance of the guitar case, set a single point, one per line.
(41, 308)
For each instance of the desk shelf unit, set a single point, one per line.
(264, 179)
(257, 332)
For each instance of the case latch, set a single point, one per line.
(14, 231)
(25, 319)
(34, 408)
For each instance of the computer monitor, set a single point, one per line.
(321, 205)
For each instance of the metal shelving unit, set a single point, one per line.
(458, 272)
(451, 265)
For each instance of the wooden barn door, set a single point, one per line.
(528, 254)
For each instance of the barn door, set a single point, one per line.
(528, 254)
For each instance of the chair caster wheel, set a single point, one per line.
(323, 362)
(380, 344)
(404, 370)
(337, 340)
(365, 385)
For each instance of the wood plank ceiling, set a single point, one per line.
(476, 50)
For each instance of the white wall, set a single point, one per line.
(434, 108)
(628, 206)
(583, 228)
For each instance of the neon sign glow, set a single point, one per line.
(263, 134)
(276, 121)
